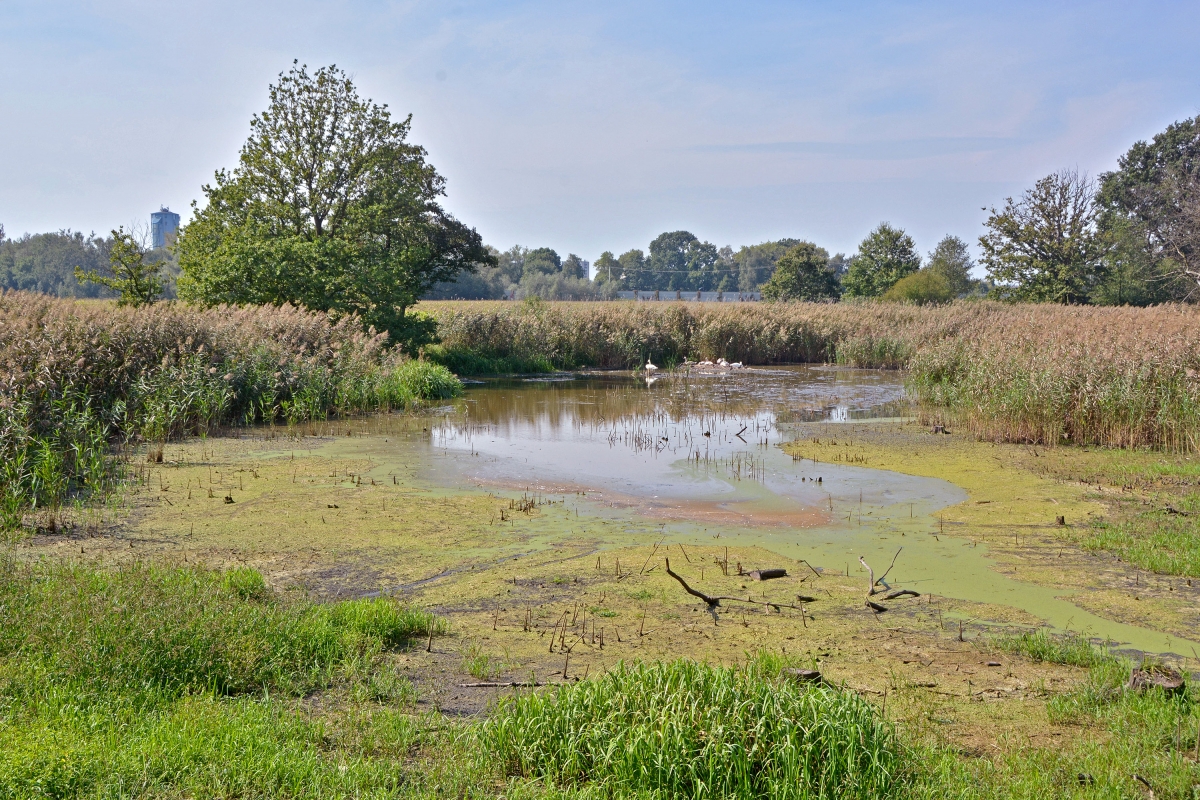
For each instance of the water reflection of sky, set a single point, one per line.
(680, 440)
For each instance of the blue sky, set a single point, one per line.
(594, 126)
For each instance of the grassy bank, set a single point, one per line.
(163, 682)
(143, 681)
(82, 377)
(1048, 374)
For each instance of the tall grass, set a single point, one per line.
(79, 377)
(685, 729)
(1121, 377)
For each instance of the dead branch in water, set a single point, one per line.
(713, 602)
(873, 582)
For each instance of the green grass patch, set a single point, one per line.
(687, 729)
(1041, 645)
(142, 629)
(1157, 541)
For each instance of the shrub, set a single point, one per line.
(922, 288)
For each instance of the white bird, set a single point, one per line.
(722, 362)
(705, 363)
(736, 365)
(650, 367)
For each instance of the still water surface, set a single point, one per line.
(699, 455)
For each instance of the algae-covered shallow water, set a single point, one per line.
(699, 455)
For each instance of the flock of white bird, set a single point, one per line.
(720, 363)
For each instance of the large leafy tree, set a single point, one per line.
(802, 273)
(1151, 204)
(756, 263)
(1045, 248)
(885, 256)
(330, 207)
(679, 261)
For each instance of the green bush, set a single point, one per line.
(923, 287)
(686, 729)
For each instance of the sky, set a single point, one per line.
(596, 126)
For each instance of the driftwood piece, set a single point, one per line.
(504, 684)
(713, 602)
(768, 574)
(873, 582)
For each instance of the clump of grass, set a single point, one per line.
(463, 361)
(479, 664)
(1041, 645)
(170, 630)
(685, 729)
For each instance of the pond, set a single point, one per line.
(698, 455)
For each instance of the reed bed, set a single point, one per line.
(81, 376)
(1047, 374)
(686, 729)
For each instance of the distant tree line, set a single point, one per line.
(69, 264)
(352, 225)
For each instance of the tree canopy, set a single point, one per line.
(330, 207)
(885, 256)
(46, 262)
(136, 280)
(1044, 247)
(1150, 215)
(951, 261)
(802, 273)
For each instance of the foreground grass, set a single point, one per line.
(690, 730)
(164, 682)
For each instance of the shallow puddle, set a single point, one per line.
(699, 456)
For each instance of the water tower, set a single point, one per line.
(163, 223)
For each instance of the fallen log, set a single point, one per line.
(804, 675)
(768, 574)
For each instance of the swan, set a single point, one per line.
(650, 367)
(736, 365)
